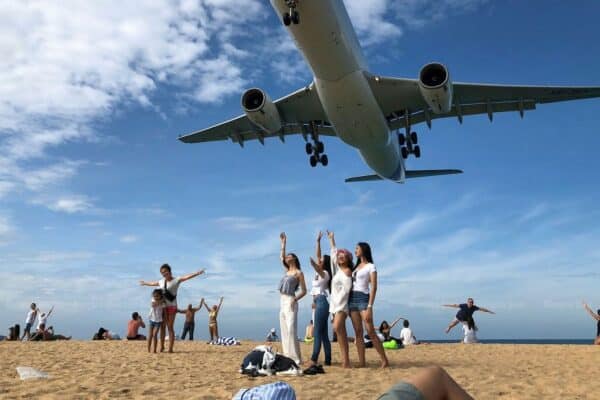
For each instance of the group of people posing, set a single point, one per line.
(42, 331)
(342, 287)
(163, 310)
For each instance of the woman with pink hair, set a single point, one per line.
(341, 285)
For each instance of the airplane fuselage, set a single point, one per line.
(328, 42)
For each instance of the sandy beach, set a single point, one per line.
(120, 369)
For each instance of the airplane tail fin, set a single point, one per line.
(409, 174)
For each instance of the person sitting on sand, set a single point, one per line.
(29, 320)
(189, 324)
(170, 284)
(134, 325)
(470, 330)
(156, 317)
(110, 335)
(43, 318)
(272, 336)
(213, 327)
(385, 331)
(431, 383)
(596, 316)
(407, 335)
(13, 333)
(466, 310)
(47, 334)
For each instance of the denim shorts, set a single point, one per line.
(154, 324)
(402, 391)
(358, 301)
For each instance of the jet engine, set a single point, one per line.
(436, 87)
(261, 110)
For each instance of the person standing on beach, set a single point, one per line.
(321, 287)
(213, 327)
(288, 313)
(465, 311)
(156, 317)
(133, 327)
(169, 285)
(31, 316)
(361, 301)
(189, 324)
(341, 285)
(596, 316)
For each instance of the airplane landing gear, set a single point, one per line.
(408, 142)
(316, 148)
(292, 16)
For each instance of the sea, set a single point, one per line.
(523, 341)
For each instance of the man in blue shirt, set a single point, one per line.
(465, 311)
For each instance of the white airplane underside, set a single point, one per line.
(364, 110)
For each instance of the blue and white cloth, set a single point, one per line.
(270, 391)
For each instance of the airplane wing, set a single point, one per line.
(295, 109)
(397, 95)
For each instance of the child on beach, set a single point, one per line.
(157, 310)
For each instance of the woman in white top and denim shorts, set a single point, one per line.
(288, 313)
(361, 302)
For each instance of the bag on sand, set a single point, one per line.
(270, 391)
(390, 345)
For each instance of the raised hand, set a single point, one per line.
(319, 236)
(330, 235)
(283, 237)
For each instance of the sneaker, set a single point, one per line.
(319, 369)
(312, 370)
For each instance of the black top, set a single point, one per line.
(598, 329)
(465, 312)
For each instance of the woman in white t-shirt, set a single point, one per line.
(470, 330)
(360, 304)
(169, 286)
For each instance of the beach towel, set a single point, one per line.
(31, 373)
(226, 341)
(270, 391)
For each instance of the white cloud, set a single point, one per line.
(65, 66)
(70, 204)
(6, 229)
(128, 239)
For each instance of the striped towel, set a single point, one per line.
(226, 341)
(270, 391)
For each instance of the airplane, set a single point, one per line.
(365, 110)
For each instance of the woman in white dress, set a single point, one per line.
(341, 286)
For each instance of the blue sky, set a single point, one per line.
(96, 192)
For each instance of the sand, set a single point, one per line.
(120, 369)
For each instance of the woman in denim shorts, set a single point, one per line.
(360, 304)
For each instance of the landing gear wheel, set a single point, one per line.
(417, 151)
(287, 19)
(401, 139)
(324, 160)
(295, 17)
(309, 148)
(313, 160)
(320, 147)
(414, 138)
(404, 152)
